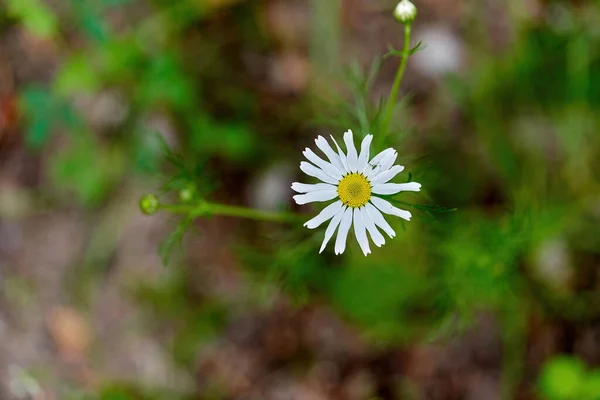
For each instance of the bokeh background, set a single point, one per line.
(499, 118)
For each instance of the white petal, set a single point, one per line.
(340, 241)
(335, 221)
(318, 173)
(375, 161)
(384, 164)
(373, 168)
(334, 159)
(328, 168)
(370, 172)
(360, 232)
(388, 160)
(341, 154)
(305, 187)
(411, 187)
(385, 188)
(351, 155)
(325, 215)
(363, 158)
(378, 220)
(385, 176)
(319, 195)
(376, 236)
(385, 207)
(393, 188)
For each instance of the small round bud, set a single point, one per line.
(187, 194)
(149, 204)
(405, 12)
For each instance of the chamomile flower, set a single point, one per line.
(354, 183)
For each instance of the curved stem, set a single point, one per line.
(397, 81)
(209, 209)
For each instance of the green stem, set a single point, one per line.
(251, 213)
(210, 209)
(397, 81)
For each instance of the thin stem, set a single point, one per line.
(251, 213)
(182, 208)
(397, 81)
(209, 209)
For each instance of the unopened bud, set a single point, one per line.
(405, 12)
(187, 194)
(149, 204)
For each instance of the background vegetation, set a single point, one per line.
(104, 100)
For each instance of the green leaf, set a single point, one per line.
(166, 83)
(232, 140)
(120, 60)
(38, 106)
(147, 151)
(87, 170)
(116, 395)
(90, 20)
(562, 378)
(174, 240)
(378, 296)
(114, 3)
(392, 52)
(417, 48)
(431, 210)
(591, 388)
(35, 15)
(76, 75)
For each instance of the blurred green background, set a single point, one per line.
(104, 100)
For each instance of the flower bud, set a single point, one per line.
(405, 12)
(187, 194)
(149, 204)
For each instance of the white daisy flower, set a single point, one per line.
(354, 181)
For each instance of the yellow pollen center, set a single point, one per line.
(354, 190)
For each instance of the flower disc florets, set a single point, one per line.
(354, 190)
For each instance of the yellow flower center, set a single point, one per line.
(354, 190)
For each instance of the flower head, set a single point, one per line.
(405, 12)
(354, 181)
(149, 204)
